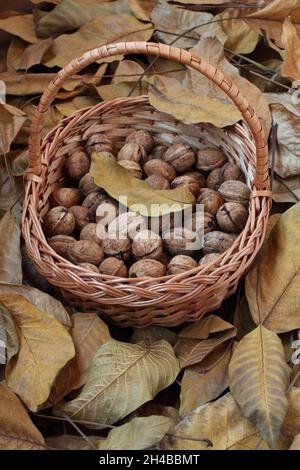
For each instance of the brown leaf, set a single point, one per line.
(296, 443)
(88, 332)
(127, 71)
(32, 55)
(10, 255)
(70, 442)
(11, 121)
(111, 92)
(241, 39)
(153, 333)
(243, 320)
(52, 118)
(291, 43)
(141, 9)
(17, 432)
(71, 106)
(21, 26)
(44, 348)
(197, 341)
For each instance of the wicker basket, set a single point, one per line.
(170, 300)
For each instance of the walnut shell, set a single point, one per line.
(127, 224)
(217, 242)
(132, 152)
(90, 267)
(134, 168)
(229, 171)
(210, 158)
(180, 264)
(147, 244)
(60, 244)
(232, 217)
(157, 152)
(147, 268)
(85, 251)
(107, 211)
(207, 259)
(197, 176)
(59, 221)
(143, 138)
(235, 191)
(100, 143)
(81, 215)
(78, 164)
(89, 232)
(158, 182)
(66, 197)
(203, 222)
(180, 156)
(211, 200)
(113, 267)
(117, 247)
(92, 201)
(182, 241)
(189, 182)
(87, 185)
(160, 167)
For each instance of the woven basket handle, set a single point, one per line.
(261, 179)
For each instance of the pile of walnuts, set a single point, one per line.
(74, 228)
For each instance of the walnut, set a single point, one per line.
(117, 247)
(211, 200)
(217, 242)
(90, 267)
(59, 221)
(210, 158)
(92, 201)
(203, 222)
(113, 267)
(100, 143)
(197, 176)
(147, 244)
(60, 244)
(180, 264)
(157, 152)
(147, 268)
(160, 167)
(89, 232)
(85, 251)
(208, 259)
(132, 151)
(107, 211)
(232, 217)
(158, 182)
(127, 224)
(66, 197)
(134, 168)
(81, 215)
(78, 164)
(180, 156)
(143, 138)
(182, 241)
(87, 185)
(189, 182)
(235, 191)
(229, 171)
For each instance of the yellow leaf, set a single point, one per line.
(17, 432)
(121, 378)
(45, 347)
(273, 283)
(241, 39)
(291, 43)
(11, 121)
(119, 182)
(10, 255)
(139, 433)
(21, 26)
(259, 377)
(88, 332)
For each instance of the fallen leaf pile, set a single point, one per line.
(228, 381)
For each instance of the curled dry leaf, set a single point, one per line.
(260, 388)
(10, 255)
(121, 378)
(195, 342)
(17, 432)
(272, 284)
(45, 347)
(139, 433)
(119, 182)
(11, 121)
(88, 332)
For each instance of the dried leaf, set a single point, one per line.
(32, 55)
(127, 71)
(260, 388)
(70, 442)
(11, 121)
(17, 432)
(139, 433)
(121, 378)
(241, 39)
(10, 255)
(10, 190)
(19, 161)
(111, 92)
(44, 348)
(291, 43)
(153, 333)
(199, 387)
(21, 26)
(287, 190)
(141, 9)
(197, 341)
(79, 102)
(274, 300)
(296, 443)
(52, 118)
(11, 337)
(103, 30)
(243, 320)
(118, 182)
(88, 332)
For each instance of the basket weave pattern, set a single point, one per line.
(170, 300)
